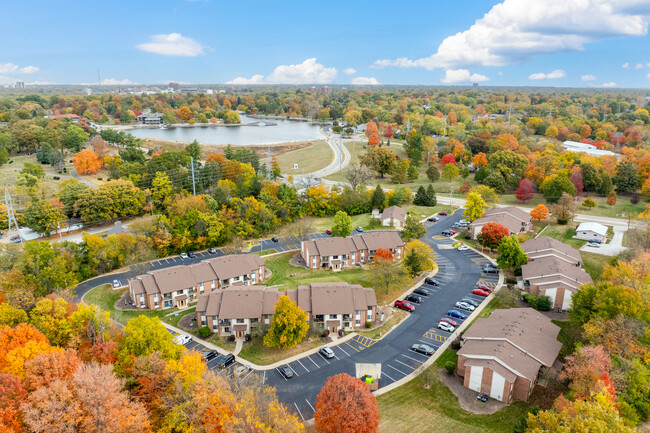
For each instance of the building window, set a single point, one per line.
(212, 284)
(168, 304)
(255, 320)
(226, 329)
(333, 316)
(240, 320)
(358, 322)
(179, 292)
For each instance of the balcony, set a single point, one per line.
(226, 322)
(347, 317)
(319, 318)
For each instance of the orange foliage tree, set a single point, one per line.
(185, 113)
(539, 213)
(18, 345)
(491, 234)
(12, 394)
(479, 160)
(374, 139)
(87, 162)
(383, 254)
(345, 405)
(371, 128)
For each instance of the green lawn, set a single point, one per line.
(594, 264)
(411, 408)
(564, 234)
(309, 159)
(256, 352)
(105, 297)
(378, 332)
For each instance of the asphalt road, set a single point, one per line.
(459, 273)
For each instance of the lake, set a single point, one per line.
(273, 131)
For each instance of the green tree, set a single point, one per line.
(379, 159)
(606, 185)
(413, 173)
(589, 203)
(342, 225)
(115, 199)
(401, 172)
(590, 178)
(557, 185)
(387, 274)
(474, 206)
(74, 138)
(378, 198)
(511, 165)
(33, 169)
(431, 194)
(626, 179)
(510, 254)
(194, 150)
(288, 326)
(450, 172)
(161, 189)
(421, 198)
(142, 337)
(69, 193)
(432, 173)
(43, 217)
(495, 181)
(413, 229)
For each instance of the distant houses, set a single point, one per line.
(150, 119)
(393, 216)
(512, 218)
(338, 253)
(591, 231)
(502, 355)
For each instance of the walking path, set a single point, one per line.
(341, 159)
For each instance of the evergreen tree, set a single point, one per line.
(481, 174)
(431, 195)
(421, 198)
(378, 198)
(606, 186)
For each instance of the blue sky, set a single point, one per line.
(580, 43)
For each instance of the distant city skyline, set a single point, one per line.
(564, 43)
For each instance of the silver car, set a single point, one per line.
(326, 352)
(465, 306)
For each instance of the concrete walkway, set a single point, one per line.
(238, 345)
(74, 174)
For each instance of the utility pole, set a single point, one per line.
(340, 153)
(11, 217)
(509, 114)
(193, 182)
(444, 126)
(450, 207)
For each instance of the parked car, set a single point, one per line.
(465, 306)
(484, 287)
(490, 269)
(212, 251)
(446, 233)
(182, 339)
(359, 229)
(116, 284)
(593, 244)
(448, 320)
(453, 232)
(210, 354)
(598, 241)
(183, 255)
(226, 361)
(431, 281)
(326, 352)
(446, 327)
(423, 348)
(480, 292)
(191, 255)
(433, 219)
(463, 248)
(239, 371)
(471, 302)
(482, 396)
(15, 239)
(328, 232)
(456, 314)
(274, 239)
(414, 298)
(422, 291)
(286, 372)
(404, 305)
(443, 213)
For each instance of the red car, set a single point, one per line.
(453, 232)
(404, 305)
(442, 213)
(484, 288)
(448, 320)
(328, 231)
(480, 292)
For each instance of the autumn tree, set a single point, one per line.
(447, 159)
(379, 159)
(371, 128)
(418, 257)
(345, 405)
(373, 140)
(488, 194)
(115, 199)
(357, 174)
(288, 326)
(342, 225)
(19, 345)
(510, 254)
(491, 235)
(474, 206)
(44, 217)
(565, 209)
(589, 203)
(45, 368)
(588, 370)
(479, 160)
(87, 162)
(450, 172)
(380, 254)
(185, 113)
(413, 228)
(387, 274)
(11, 316)
(12, 394)
(525, 191)
(143, 336)
(540, 213)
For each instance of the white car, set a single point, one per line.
(446, 327)
(463, 248)
(116, 284)
(593, 244)
(182, 339)
(184, 255)
(465, 306)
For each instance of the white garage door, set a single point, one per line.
(498, 383)
(566, 303)
(551, 293)
(475, 377)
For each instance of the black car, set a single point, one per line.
(286, 372)
(482, 397)
(212, 250)
(446, 233)
(414, 298)
(210, 354)
(490, 269)
(432, 219)
(226, 361)
(422, 291)
(431, 281)
(191, 255)
(274, 239)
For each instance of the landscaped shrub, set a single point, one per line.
(247, 337)
(450, 366)
(341, 333)
(455, 345)
(231, 338)
(369, 324)
(326, 333)
(99, 178)
(56, 177)
(204, 332)
(543, 303)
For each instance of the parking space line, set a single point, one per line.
(313, 362)
(339, 346)
(425, 342)
(384, 374)
(296, 373)
(325, 359)
(388, 365)
(406, 365)
(264, 377)
(285, 379)
(413, 359)
(302, 365)
(249, 373)
(355, 349)
(312, 407)
(294, 403)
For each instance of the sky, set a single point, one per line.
(566, 43)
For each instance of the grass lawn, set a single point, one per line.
(309, 159)
(378, 332)
(411, 408)
(594, 264)
(256, 352)
(564, 234)
(105, 297)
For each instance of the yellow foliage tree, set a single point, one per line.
(289, 325)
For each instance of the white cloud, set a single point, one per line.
(638, 66)
(307, 72)
(6, 80)
(648, 76)
(609, 84)
(558, 73)
(462, 76)
(648, 65)
(365, 81)
(588, 78)
(625, 65)
(517, 30)
(173, 44)
(350, 71)
(10, 68)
